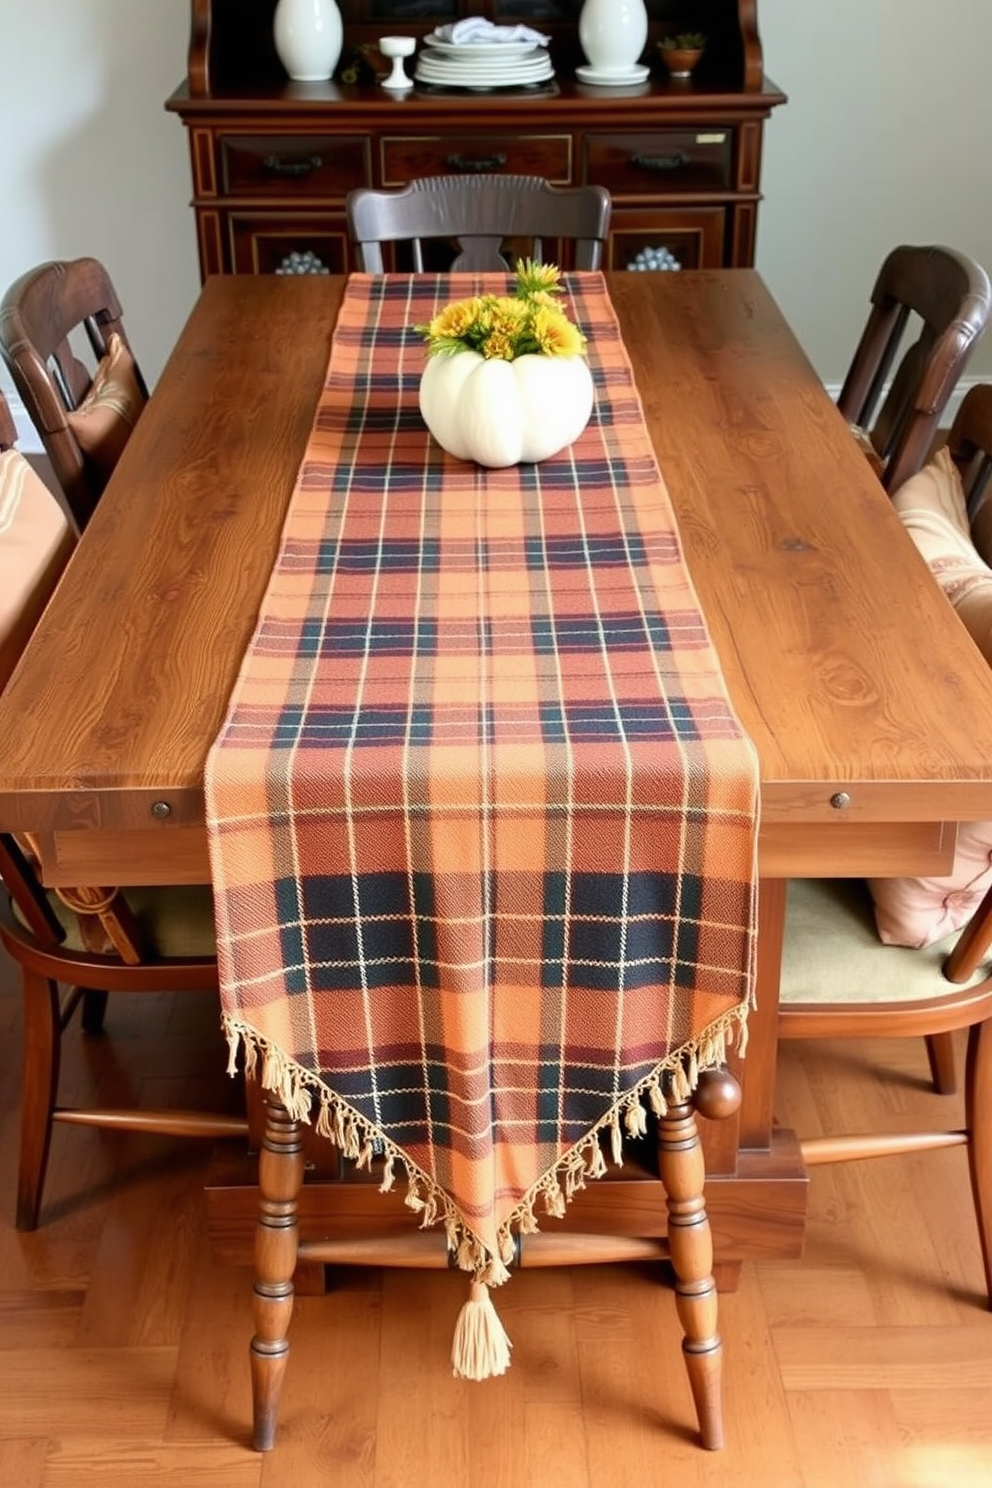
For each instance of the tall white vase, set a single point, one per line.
(613, 34)
(307, 34)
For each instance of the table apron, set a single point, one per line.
(169, 854)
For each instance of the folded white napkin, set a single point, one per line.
(476, 29)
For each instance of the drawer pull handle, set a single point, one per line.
(280, 167)
(475, 167)
(660, 162)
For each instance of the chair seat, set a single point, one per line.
(833, 954)
(177, 921)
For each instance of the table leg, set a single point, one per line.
(280, 1178)
(690, 1243)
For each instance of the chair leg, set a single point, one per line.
(940, 1052)
(680, 1164)
(94, 1010)
(280, 1178)
(39, 1085)
(978, 1114)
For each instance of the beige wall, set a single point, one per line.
(878, 144)
(882, 141)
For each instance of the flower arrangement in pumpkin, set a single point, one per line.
(506, 379)
(530, 322)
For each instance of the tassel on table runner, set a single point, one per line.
(480, 1348)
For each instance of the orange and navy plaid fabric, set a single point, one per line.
(482, 819)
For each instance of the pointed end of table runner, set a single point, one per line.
(480, 1348)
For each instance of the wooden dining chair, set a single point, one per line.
(839, 981)
(929, 305)
(910, 957)
(479, 222)
(74, 947)
(108, 941)
(63, 340)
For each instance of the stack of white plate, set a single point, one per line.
(482, 65)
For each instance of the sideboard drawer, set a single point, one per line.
(293, 166)
(405, 157)
(663, 161)
(694, 236)
(279, 242)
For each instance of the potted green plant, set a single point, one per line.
(682, 51)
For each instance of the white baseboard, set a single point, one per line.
(30, 444)
(953, 403)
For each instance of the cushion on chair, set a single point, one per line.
(832, 952)
(935, 488)
(34, 541)
(175, 920)
(103, 421)
(958, 568)
(918, 912)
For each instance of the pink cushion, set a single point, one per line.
(955, 563)
(920, 911)
(35, 540)
(103, 421)
(935, 488)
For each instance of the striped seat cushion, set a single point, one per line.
(103, 421)
(922, 911)
(936, 488)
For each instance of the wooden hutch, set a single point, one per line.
(273, 160)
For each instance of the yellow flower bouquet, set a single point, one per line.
(505, 379)
(530, 322)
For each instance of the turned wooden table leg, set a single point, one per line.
(680, 1161)
(280, 1178)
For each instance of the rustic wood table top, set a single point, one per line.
(846, 664)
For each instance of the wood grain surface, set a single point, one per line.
(846, 664)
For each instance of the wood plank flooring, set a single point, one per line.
(123, 1348)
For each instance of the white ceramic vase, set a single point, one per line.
(613, 34)
(307, 35)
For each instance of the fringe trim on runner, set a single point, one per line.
(481, 1348)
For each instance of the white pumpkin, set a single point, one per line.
(499, 413)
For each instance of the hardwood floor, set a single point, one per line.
(123, 1348)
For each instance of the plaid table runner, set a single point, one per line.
(482, 821)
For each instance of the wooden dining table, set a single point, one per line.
(866, 700)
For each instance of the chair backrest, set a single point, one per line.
(970, 445)
(50, 319)
(479, 213)
(929, 307)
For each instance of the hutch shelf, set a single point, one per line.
(273, 160)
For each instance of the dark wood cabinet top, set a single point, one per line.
(584, 103)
